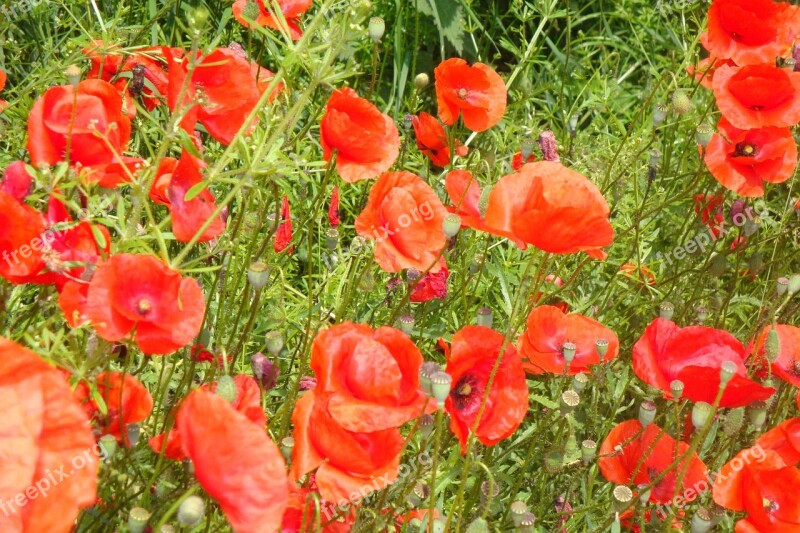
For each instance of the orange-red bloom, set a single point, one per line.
(283, 235)
(551, 207)
(548, 329)
(709, 207)
(757, 96)
(705, 69)
(477, 92)
(694, 355)
(465, 194)
(404, 216)
(641, 274)
(126, 401)
(3, 103)
(517, 162)
(90, 120)
(159, 309)
(17, 182)
(235, 461)
(333, 208)
(72, 300)
(301, 515)
(44, 430)
(432, 139)
(290, 9)
(742, 160)
(21, 230)
(176, 177)
(645, 455)
(471, 358)
(227, 86)
(750, 31)
(432, 285)
(787, 365)
(365, 140)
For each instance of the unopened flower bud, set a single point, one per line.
(258, 275)
(406, 324)
(568, 350)
(549, 146)
(274, 341)
(265, 371)
(479, 525)
(588, 451)
(757, 413)
(137, 519)
(621, 496)
(554, 461)
(377, 27)
(700, 413)
(191, 511)
(484, 317)
(703, 134)
(73, 73)
(718, 265)
(681, 103)
(226, 388)
(579, 382)
(701, 521)
(451, 224)
(733, 422)
(647, 413)
(726, 373)
(426, 372)
(666, 310)
(421, 81)
(251, 11)
(569, 400)
(676, 389)
(772, 346)
(440, 387)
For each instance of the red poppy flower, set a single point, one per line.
(784, 440)
(175, 178)
(228, 85)
(90, 120)
(742, 160)
(126, 400)
(346, 462)
(471, 358)
(235, 461)
(159, 309)
(3, 103)
(365, 140)
(431, 286)
(432, 139)
(694, 355)
(757, 96)
(404, 216)
(709, 207)
(477, 92)
(44, 430)
(465, 194)
(705, 69)
(517, 162)
(547, 195)
(632, 455)
(301, 517)
(750, 31)
(642, 274)
(291, 10)
(283, 235)
(17, 182)
(72, 300)
(21, 241)
(787, 365)
(541, 345)
(333, 208)
(373, 376)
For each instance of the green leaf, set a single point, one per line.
(196, 189)
(448, 16)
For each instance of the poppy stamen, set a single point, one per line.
(144, 306)
(462, 93)
(746, 149)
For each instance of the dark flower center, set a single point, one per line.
(744, 149)
(466, 394)
(144, 307)
(462, 93)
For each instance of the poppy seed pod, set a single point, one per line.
(419, 494)
(588, 451)
(518, 510)
(421, 81)
(489, 492)
(376, 28)
(258, 275)
(772, 346)
(479, 525)
(700, 413)
(676, 389)
(332, 239)
(579, 382)
(666, 310)
(647, 413)
(108, 445)
(554, 461)
(451, 225)
(166, 528)
(726, 373)
(794, 284)
(426, 424)
(781, 286)
(702, 314)
(660, 113)
(568, 351)
(287, 445)
(789, 63)
(408, 121)
(601, 345)
(440, 387)
(274, 342)
(426, 372)
(484, 317)
(133, 431)
(681, 103)
(621, 496)
(137, 519)
(757, 413)
(191, 511)
(73, 73)
(226, 388)
(527, 523)
(701, 521)
(703, 134)
(568, 402)
(406, 324)
(526, 148)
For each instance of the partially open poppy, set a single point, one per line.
(549, 330)
(431, 286)
(477, 92)
(90, 120)
(694, 355)
(633, 455)
(432, 139)
(471, 357)
(750, 31)
(175, 178)
(757, 96)
(346, 462)
(235, 461)
(404, 216)
(291, 11)
(365, 140)
(372, 376)
(551, 207)
(126, 401)
(159, 309)
(44, 431)
(787, 365)
(283, 235)
(742, 160)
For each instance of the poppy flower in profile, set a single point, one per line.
(126, 401)
(465, 194)
(632, 455)
(476, 92)
(757, 96)
(226, 85)
(549, 329)
(432, 139)
(787, 365)
(471, 357)
(90, 120)
(742, 160)
(372, 376)
(44, 430)
(344, 462)
(283, 235)
(235, 462)
(161, 310)
(431, 286)
(705, 69)
(517, 162)
(750, 31)
(17, 182)
(175, 178)
(291, 10)
(404, 217)
(551, 207)
(333, 208)
(365, 140)
(694, 355)
(640, 274)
